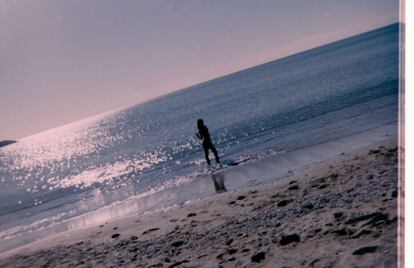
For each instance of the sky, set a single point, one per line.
(62, 61)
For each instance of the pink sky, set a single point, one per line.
(62, 61)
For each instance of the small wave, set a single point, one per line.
(91, 218)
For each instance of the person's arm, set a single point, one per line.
(206, 133)
(199, 136)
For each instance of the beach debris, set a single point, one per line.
(308, 205)
(219, 256)
(323, 186)
(343, 231)
(365, 250)
(177, 243)
(202, 256)
(133, 249)
(374, 152)
(289, 239)
(369, 177)
(373, 217)
(378, 220)
(231, 251)
(312, 263)
(338, 215)
(226, 239)
(115, 235)
(231, 259)
(258, 257)
(293, 187)
(333, 175)
(121, 245)
(362, 232)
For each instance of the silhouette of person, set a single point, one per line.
(207, 145)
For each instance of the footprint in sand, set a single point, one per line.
(284, 203)
(150, 230)
(365, 250)
(115, 235)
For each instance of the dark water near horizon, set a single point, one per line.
(321, 95)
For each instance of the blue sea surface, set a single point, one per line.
(321, 95)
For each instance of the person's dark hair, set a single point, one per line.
(200, 124)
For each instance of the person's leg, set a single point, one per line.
(215, 153)
(206, 154)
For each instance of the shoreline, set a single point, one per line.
(265, 225)
(263, 171)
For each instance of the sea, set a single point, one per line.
(148, 157)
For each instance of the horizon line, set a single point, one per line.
(226, 74)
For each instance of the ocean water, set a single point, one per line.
(325, 94)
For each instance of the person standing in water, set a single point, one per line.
(207, 145)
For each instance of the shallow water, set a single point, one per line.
(143, 152)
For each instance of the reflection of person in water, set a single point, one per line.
(218, 180)
(205, 136)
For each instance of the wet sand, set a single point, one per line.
(339, 213)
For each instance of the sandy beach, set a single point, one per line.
(339, 213)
